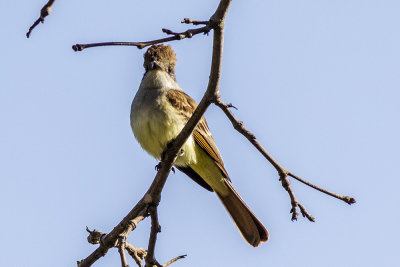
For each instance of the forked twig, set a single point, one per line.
(138, 254)
(283, 173)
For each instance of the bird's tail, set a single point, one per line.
(252, 230)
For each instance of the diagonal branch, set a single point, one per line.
(283, 173)
(44, 12)
(174, 260)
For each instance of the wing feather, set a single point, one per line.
(201, 134)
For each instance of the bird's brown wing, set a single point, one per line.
(204, 139)
(201, 134)
(251, 228)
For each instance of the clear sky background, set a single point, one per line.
(316, 81)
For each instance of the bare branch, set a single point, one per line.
(283, 173)
(194, 22)
(138, 254)
(108, 241)
(44, 12)
(121, 250)
(174, 260)
(347, 199)
(176, 36)
(293, 201)
(155, 229)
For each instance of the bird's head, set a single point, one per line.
(160, 57)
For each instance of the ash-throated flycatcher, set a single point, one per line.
(159, 111)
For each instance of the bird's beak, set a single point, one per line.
(154, 65)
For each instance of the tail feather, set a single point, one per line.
(252, 230)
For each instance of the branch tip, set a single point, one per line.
(164, 30)
(349, 200)
(230, 105)
(78, 47)
(194, 22)
(174, 260)
(140, 45)
(44, 12)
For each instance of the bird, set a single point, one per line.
(159, 111)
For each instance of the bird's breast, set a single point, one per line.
(155, 123)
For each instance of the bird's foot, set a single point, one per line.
(158, 167)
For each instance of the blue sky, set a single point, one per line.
(316, 81)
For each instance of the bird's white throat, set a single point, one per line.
(157, 79)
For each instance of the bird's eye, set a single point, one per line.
(169, 69)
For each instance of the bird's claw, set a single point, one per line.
(158, 166)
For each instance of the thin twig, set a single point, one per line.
(138, 254)
(121, 250)
(347, 199)
(44, 12)
(155, 229)
(176, 36)
(194, 22)
(174, 260)
(293, 201)
(238, 125)
(283, 173)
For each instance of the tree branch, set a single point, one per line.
(129, 223)
(174, 260)
(44, 12)
(121, 249)
(283, 173)
(153, 195)
(138, 254)
(349, 200)
(176, 36)
(155, 229)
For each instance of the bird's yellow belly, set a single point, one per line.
(155, 129)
